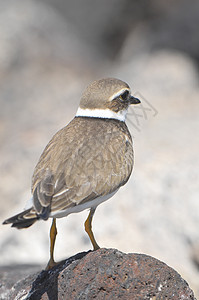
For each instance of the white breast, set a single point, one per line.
(94, 203)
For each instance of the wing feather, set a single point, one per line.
(84, 160)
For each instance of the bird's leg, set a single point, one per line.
(53, 233)
(88, 228)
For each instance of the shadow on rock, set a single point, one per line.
(46, 283)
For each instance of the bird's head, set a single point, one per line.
(106, 98)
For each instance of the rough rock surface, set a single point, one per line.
(104, 274)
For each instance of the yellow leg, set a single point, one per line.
(53, 233)
(88, 228)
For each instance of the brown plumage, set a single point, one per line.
(100, 161)
(87, 161)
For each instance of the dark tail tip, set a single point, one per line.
(24, 224)
(22, 220)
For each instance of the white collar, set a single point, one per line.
(101, 113)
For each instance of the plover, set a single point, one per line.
(86, 162)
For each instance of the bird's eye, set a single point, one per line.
(125, 95)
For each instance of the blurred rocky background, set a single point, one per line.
(49, 52)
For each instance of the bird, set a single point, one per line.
(85, 163)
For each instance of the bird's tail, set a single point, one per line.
(23, 220)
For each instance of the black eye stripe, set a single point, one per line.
(125, 95)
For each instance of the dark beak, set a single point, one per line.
(134, 100)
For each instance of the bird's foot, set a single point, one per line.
(51, 264)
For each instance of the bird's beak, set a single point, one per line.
(133, 100)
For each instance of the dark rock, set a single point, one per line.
(166, 25)
(105, 25)
(104, 274)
